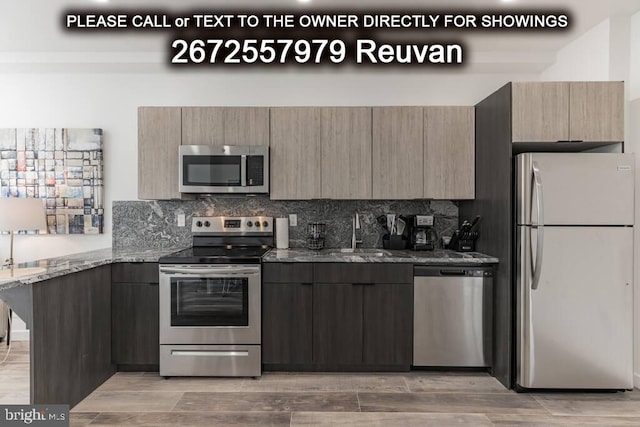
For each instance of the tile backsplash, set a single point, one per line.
(153, 224)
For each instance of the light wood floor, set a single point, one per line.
(412, 399)
(14, 373)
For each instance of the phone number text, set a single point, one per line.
(254, 51)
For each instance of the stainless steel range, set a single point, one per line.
(210, 299)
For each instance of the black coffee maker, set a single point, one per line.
(422, 235)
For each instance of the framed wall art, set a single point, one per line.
(62, 166)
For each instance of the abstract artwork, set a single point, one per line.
(64, 167)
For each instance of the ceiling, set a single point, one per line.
(32, 30)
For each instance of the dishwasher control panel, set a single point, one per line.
(453, 272)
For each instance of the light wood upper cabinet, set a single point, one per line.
(295, 153)
(203, 126)
(346, 153)
(225, 126)
(449, 153)
(398, 153)
(540, 112)
(158, 143)
(597, 111)
(567, 111)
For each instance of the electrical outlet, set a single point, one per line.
(293, 220)
(181, 220)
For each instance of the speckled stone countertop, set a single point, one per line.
(436, 257)
(55, 267)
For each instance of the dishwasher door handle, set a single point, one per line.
(453, 272)
(442, 270)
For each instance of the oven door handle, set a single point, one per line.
(217, 271)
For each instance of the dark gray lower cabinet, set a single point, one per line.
(388, 319)
(337, 324)
(337, 317)
(135, 324)
(287, 308)
(363, 316)
(135, 316)
(287, 323)
(367, 325)
(71, 336)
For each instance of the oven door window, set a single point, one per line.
(210, 301)
(217, 171)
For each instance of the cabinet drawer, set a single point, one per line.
(135, 272)
(280, 272)
(363, 273)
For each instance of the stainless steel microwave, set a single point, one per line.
(224, 169)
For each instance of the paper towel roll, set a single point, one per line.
(282, 233)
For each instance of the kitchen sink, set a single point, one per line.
(361, 252)
(376, 253)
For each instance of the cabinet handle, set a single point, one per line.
(363, 284)
(306, 284)
(561, 141)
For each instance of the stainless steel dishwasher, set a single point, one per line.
(452, 316)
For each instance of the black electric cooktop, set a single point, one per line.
(216, 255)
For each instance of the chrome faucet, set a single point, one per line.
(355, 226)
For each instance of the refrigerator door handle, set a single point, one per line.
(537, 268)
(526, 327)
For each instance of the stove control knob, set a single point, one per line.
(265, 224)
(199, 224)
(249, 224)
(207, 224)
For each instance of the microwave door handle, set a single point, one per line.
(537, 176)
(243, 170)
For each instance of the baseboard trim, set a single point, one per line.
(22, 335)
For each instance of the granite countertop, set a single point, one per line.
(55, 267)
(436, 257)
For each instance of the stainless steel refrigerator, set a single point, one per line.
(574, 270)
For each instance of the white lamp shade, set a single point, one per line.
(17, 214)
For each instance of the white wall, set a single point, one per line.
(586, 58)
(634, 57)
(611, 51)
